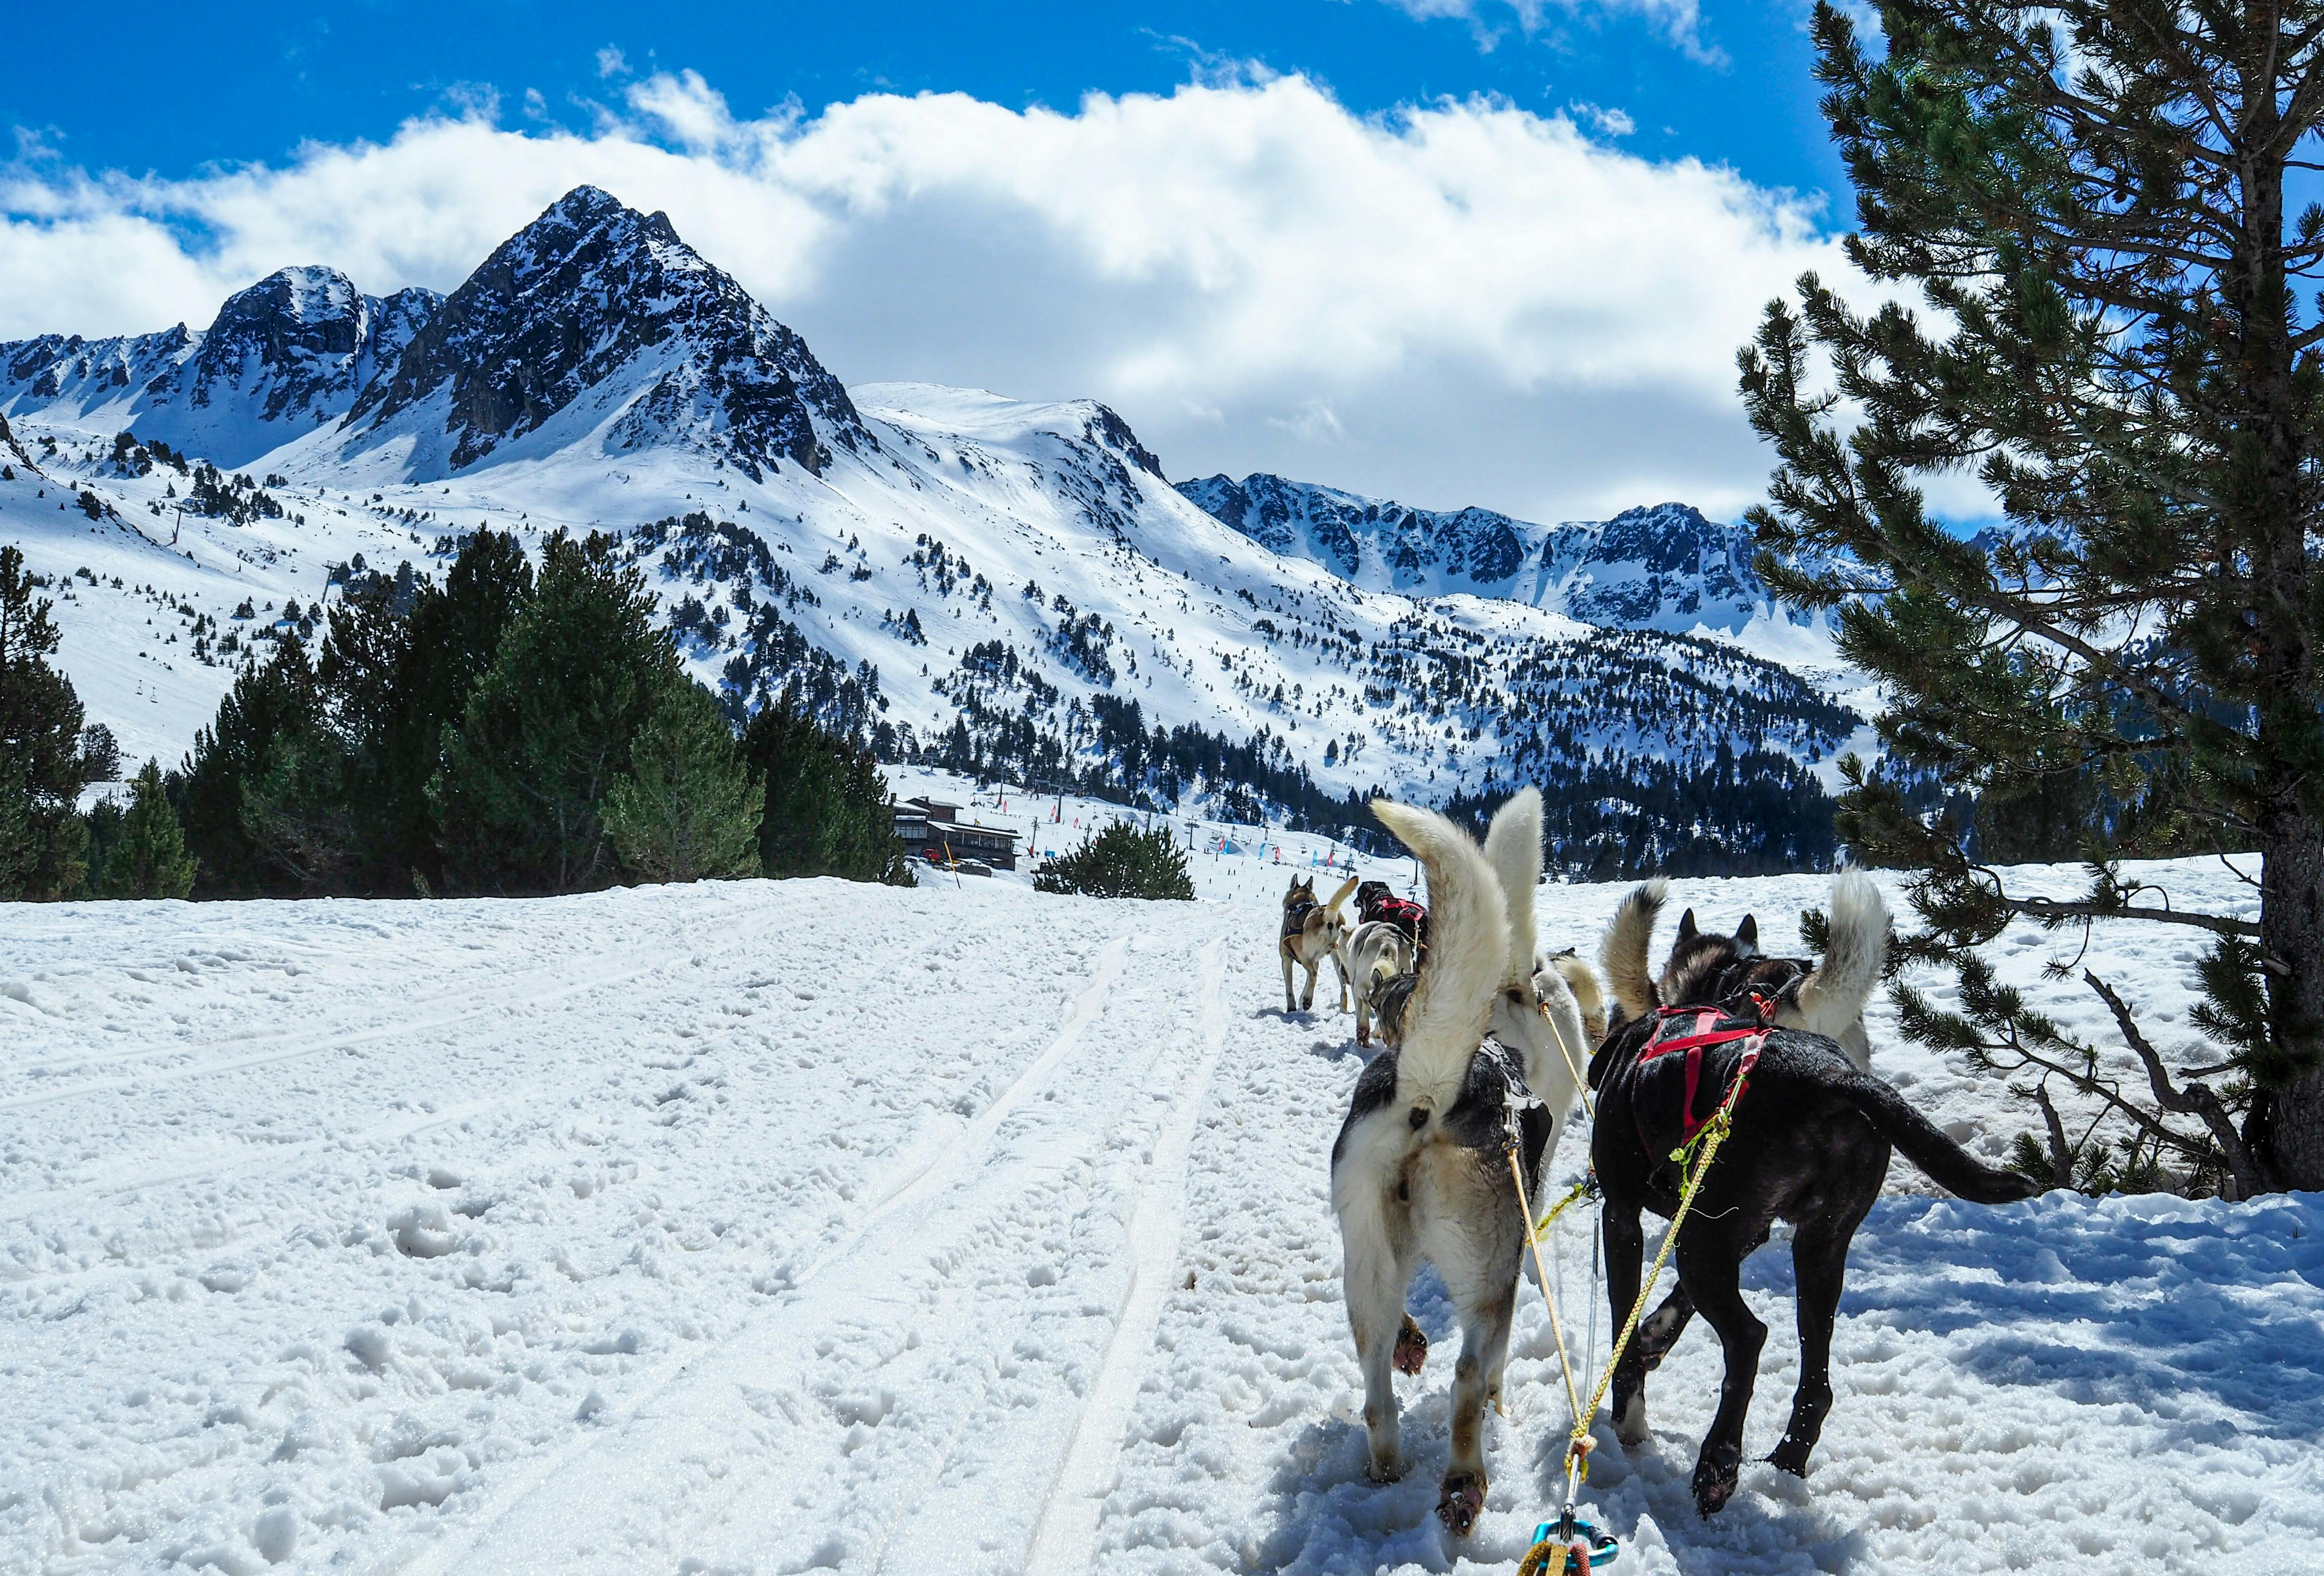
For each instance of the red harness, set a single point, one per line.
(1692, 1029)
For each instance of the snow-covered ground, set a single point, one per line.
(778, 1227)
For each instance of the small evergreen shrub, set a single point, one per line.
(1121, 862)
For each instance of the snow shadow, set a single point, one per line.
(2148, 1302)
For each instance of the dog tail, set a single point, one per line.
(1624, 952)
(1513, 848)
(1469, 950)
(1340, 897)
(1925, 1145)
(1833, 999)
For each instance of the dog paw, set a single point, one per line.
(1460, 1501)
(1411, 1348)
(1388, 1471)
(1714, 1486)
(1631, 1419)
(1790, 1456)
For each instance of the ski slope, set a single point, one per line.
(784, 1227)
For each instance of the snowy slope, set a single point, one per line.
(778, 1227)
(975, 563)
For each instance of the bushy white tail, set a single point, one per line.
(1467, 954)
(1624, 954)
(1513, 848)
(1833, 998)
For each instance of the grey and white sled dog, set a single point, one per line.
(1420, 1170)
(1825, 996)
(1376, 953)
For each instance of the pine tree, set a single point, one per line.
(546, 732)
(828, 811)
(396, 678)
(1121, 862)
(265, 810)
(687, 811)
(2091, 196)
(42, 834)
(147, 857)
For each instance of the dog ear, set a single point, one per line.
(1748, 933)
(1686, 924)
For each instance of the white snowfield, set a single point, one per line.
(780, 1227)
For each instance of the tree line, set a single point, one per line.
(510, 730)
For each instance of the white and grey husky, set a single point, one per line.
(1421, 1170)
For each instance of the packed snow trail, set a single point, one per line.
(775, 1227)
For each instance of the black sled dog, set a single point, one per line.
(1809, 1143)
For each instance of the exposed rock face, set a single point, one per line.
(592, 297)
(300, 343)
(1410, 547)
(1661, 567)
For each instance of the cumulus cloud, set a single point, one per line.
(1461, 302)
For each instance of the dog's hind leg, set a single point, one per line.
(1626, 1246)
(1819, 1266)
(1307, 997)
(1476, 1378)
(1711, 1263)
(1372, 1280)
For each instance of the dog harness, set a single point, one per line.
(1295, 919)
(1693, 1030)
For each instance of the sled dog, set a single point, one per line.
(1376, 953)
(1312, 932)
(1810, 1143)
(1825, 997)
(1420, 1170)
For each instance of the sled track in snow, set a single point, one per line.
(490, 1001)
(504, 1536)
(1064, 1541)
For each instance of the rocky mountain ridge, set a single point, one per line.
(1662, 567)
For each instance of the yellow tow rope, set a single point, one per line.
(1704, 1147)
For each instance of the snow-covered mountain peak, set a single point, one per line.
(283, 357)
(596, 321)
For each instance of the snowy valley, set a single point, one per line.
(778, 1227)
(1000, 587)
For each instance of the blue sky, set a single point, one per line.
(186, 85)
(1451, 251)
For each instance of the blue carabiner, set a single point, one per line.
(1602, 1545)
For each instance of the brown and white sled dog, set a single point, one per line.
(1419, 1171)
(1825, 996)
(1376, 953)
(1312, 932)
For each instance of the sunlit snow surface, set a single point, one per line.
(774, 1227)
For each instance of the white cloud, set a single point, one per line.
(1459, 303)
(1679, 21)
(1609, 123)
(612, 62)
